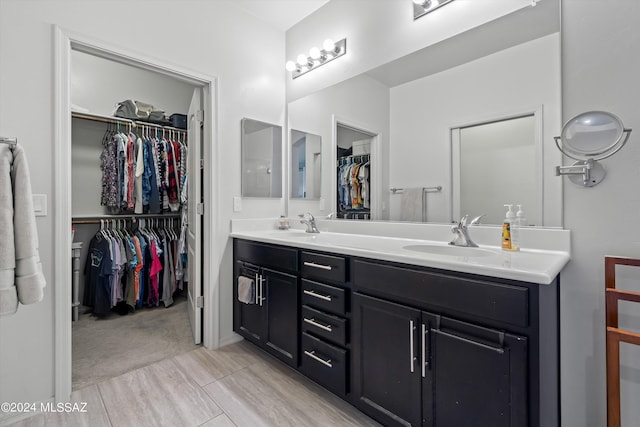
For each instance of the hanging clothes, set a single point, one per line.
(353, 187)
(142, 174)
(129, 269)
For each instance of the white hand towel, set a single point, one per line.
(246, 290)
(411, 204)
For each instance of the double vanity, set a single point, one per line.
(404, 326)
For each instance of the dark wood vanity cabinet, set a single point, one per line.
(324, 320)
(436, 348)
(272, 320)
(407, 345)
(412, 367)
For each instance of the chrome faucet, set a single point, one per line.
(461, 232)
(310, 222)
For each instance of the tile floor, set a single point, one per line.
(236, 385)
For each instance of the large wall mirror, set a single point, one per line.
(261, 159)
(505, 69)
(306, 165)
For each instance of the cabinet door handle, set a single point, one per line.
(317, 295)
(425, 359)
(313, 264)
(312, 354)
(318, 325)
(468, 341)
(411, 343)
(257, 289)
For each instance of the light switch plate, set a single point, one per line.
(39, 204)
(237, 204)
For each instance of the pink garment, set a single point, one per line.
(156, 267)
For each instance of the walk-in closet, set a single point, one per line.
(354, 172)
(133, 216)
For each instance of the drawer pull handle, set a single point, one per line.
(468, 341)
(313, 264)
(318, 325)
(317, 295)
(312, 354)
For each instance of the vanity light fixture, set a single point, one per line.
(422, 7)
(317, 57)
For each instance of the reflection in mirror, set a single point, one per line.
(306, 165)
(498, 163)
(261, 159)
(416, 100)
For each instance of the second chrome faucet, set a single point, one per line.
(461, 232)
(310, 221)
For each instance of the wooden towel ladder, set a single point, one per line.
(615, 335)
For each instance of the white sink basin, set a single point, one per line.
(450, 250)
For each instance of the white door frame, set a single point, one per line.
(375, 177)
(64, 42)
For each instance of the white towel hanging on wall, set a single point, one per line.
(21, 277)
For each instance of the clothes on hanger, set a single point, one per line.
(127, 269)
(142, 173)
(353, 187)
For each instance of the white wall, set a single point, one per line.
(361, 100)
(98, 85)
(379, 31)
(511, 81)
(600, 66)
(211, 38)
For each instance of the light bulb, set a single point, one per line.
(302, 59)
(329, 45)
(290, 66)
(314, 53)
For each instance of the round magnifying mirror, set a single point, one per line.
(592, 135)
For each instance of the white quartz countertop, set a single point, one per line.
(539, 266)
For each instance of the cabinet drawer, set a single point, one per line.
(324, 363)
(425, 289)
(332, 328)
(325, 297)
(323, 267)
(278, 257)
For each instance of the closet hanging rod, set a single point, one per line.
(120, 120)
(132, 218)
(11, 141)
(355, 155)
(435, 189)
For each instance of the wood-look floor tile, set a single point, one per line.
(219, 421)
(156, 395)
(86, 399)
(320, 405)
(205, 366)
(271, 394)
(250, 401)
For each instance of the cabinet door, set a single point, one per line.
(477, 377)
(280, 301)
(249, 319)
(386, 368)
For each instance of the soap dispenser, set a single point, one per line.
(508, 228)
(521, 221)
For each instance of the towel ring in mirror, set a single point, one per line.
(588, 138)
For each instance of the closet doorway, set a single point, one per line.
(85, 116)
(357, 173)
